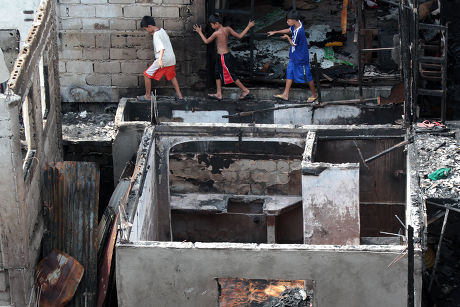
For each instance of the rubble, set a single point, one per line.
(431, 157)
(88, 126)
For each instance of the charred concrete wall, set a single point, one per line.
(349, 276)
(30, 137)
(104, 51)
(205, 173)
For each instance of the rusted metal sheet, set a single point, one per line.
(264, 292)
(58, 276)
(71, 196)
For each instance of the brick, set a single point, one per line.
(107, 67)
(122, 24)
(122, 1)
(123, 54)
(125, 80)
(71, 24)
(136, 11)
(95, 54)
(174, 25)
(84, 40)
(132, 67)
(95, 24)
(103, 40)
(145, 54)
(94, 1)
(71, 54)
(109, 11)
(176, 1)
(77, 11)
(165, 11)
(79, 67)
(99, 79)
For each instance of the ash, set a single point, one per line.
(88, 126)
(435, 152)
(290, 298)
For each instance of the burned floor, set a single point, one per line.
(350, 201)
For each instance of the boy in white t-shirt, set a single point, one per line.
(165, 60)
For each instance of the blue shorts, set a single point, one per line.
(299, 73)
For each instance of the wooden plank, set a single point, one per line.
(344, 16)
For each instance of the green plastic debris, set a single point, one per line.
(329, 55)
(439, 174)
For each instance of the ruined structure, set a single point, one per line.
(205, 203)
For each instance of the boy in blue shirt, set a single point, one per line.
(298, 70)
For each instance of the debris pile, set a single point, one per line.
(435, 152)
(88, 126)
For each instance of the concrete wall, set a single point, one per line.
(19, 15)
(104, 51)
(23, 154)
(184, 274)
(201, 173)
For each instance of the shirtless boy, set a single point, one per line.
(224, 64)
(298, 69)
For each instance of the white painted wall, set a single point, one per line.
(13, 15)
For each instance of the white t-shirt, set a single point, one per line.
(4, 73)
(161, 41)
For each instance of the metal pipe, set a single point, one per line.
(403, 143)
(318, 81)
(377, 49)
(438, 252)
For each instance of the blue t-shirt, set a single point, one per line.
(298, 54)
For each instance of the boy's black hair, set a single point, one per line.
(215, 18)
(147, 21)
(293, 14)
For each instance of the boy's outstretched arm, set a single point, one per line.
(285, 31)
(198, 30)
(245, 31)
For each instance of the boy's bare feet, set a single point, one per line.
(144, 98)
(215, 96)
(244, 94)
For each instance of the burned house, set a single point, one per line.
(352, 201)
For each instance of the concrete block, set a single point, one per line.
(61, 66)
(68, 2)
(109, 11)
(67, 79)
(139, 39)
(77, 11)
(138, 11)
(3, 280)
(95, 54)
(99, 79)
(71, 54)
(150, 1)
(122, 1)
(122, 24)
(118, 41)
(102, 40)
(125, 80)
(107, 67)
(176, 1)
(84, 40)
(165, 11)
(123, 54)
(79, 67)
(145, 54)
(93, 1)
(95, 24)
(174, 25)
(70, 24)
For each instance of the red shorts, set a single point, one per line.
(169, 72)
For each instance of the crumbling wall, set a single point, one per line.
(204, 173)
(104, 51)
(19, 15)
(30, 137)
